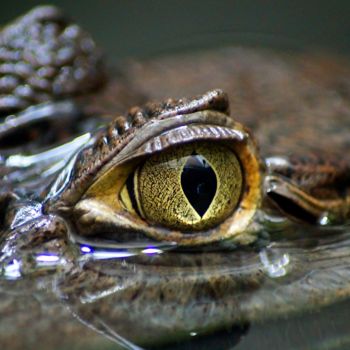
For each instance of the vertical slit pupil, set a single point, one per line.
(199, 183)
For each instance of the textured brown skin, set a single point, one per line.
(42, 54)
(295, 105)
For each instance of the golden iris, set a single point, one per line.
(189, 187)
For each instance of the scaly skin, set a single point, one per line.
(296, 107)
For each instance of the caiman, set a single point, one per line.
(179, 218)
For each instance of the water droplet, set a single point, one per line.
(275, 264)
(12, 270)
(324, 219)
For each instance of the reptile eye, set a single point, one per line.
(192, 185)
(186, 187)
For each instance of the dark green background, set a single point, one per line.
(143, 28)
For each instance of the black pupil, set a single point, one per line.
(199, 183)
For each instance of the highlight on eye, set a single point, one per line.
(190, 187)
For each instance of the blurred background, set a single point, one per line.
(145, 28)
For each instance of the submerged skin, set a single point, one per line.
(296, 107)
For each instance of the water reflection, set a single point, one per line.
(173, 296)
(156, 294)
